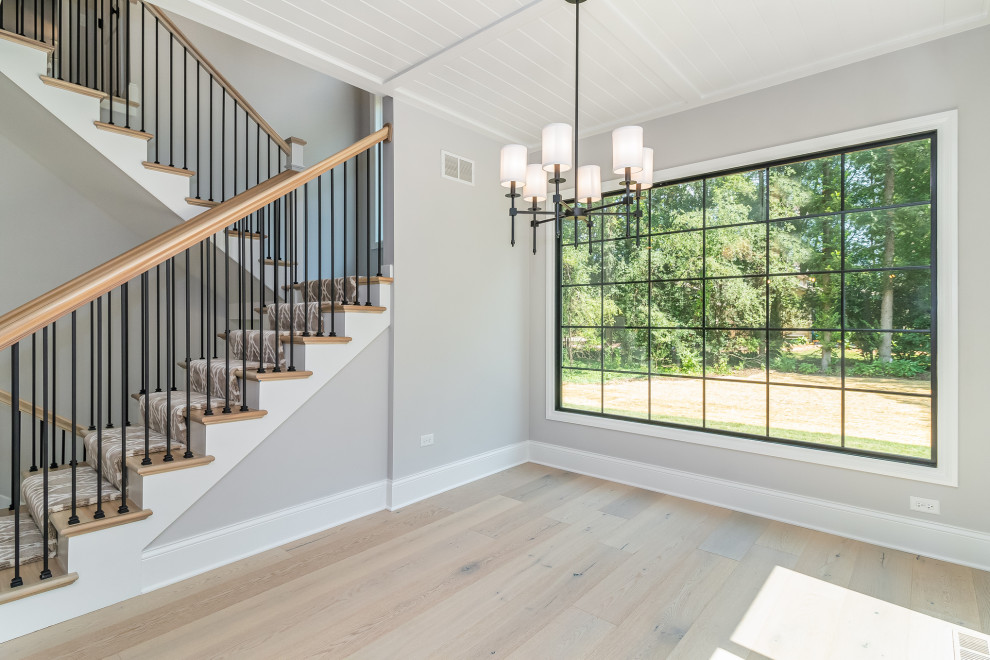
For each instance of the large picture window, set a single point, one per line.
(791, 302)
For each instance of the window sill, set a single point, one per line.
(944, 475)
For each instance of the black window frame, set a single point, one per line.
(765, 167)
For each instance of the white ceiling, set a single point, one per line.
(507, 66)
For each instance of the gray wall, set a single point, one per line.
(941, 75)
(296, 100)
(460, 322)
(335, 442)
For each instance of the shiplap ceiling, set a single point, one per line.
(506, 66)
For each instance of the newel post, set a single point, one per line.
(296, 146)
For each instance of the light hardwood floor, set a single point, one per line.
(536, 562)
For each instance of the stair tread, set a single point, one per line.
(312, 339)
(26, 41)
(87, 523)
(219, 417)
(112, 450)
(158, 464)
(123, 130)
(201, 202)
(168, 169)
(33, 584)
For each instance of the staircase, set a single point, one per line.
(134, 388)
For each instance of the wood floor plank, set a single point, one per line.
(945, 591)
(734, 537)
(785, 538)
(981, 584)
(883, 573)
(536, 562)
(615, 597)
(573, 634)
(713, 627)
(829, 557)
(658, 624)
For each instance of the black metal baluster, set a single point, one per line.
(92, 369)
(241, 289)
(202, 302)
(99, 410)
(54, 465)
(333, 272)
(45, 571)
(226, 306)
(215, 291)
(261, 301)
(171, 101)
(185, 112)
(276, 231)
(199, 131)
(123, 398)
(113, 69)
(357, 231)
(146, 361)
(73, 517)
(319, 254)
(381, 203)
(210, 135)
(15, 457)
(223, 144)
(127, 65)
(188, 278)
(290, 258)
(209, 330)
(367, 226)
(158, 328)
(158, 102)
(109, 360)
(34, 403)
(168, 358)
(144, 98)
(344, 297)
(175, 335)
(306, 261)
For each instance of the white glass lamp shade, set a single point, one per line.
(645, 176)
(589, 183)
(513, 169)
(536, 183)
(627, 149)
(557, 147)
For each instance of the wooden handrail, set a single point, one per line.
(184, 40)
(38, 412)
(35, 315)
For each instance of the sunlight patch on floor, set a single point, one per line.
(797, 617)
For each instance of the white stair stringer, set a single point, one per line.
(24, 66)
(115, 564)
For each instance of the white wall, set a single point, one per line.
(461, 351)
(941, 75)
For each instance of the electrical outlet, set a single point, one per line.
(426, 440)
(925, 505)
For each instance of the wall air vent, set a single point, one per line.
(971, 647)
(455, 168)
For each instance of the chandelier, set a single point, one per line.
(560, 153)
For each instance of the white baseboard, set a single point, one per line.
(177, 561)
(931, 539)
(419, 486)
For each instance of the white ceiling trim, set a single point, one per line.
(661, 59)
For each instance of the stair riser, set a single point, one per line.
(314, 356)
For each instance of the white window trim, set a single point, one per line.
(947, 471)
